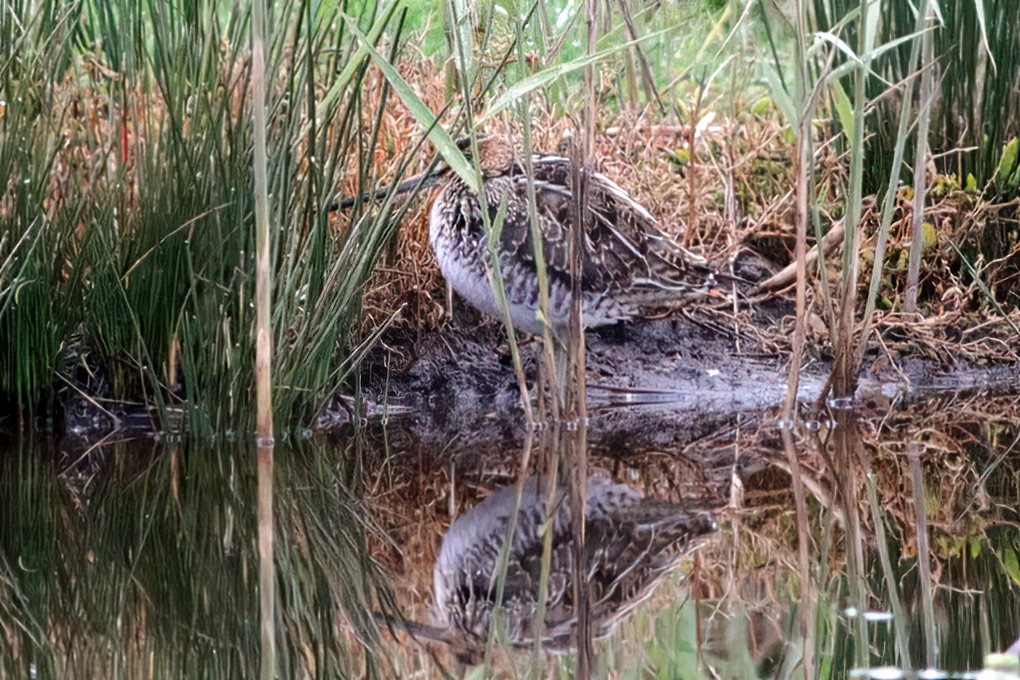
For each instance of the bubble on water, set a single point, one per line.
(784, 424)
(877, 616)
(840, 403)
(878, 673)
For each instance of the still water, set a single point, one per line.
(129, 559)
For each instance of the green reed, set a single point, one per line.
(36, 51)
(127, 220)
(911, 80)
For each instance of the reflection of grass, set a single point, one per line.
(147, 559)
(745, 586)
(156, 572)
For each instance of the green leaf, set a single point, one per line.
(872, 16)
(855, 61)
(782, 98)
(844, 109)
(541, 79)
(979, 9)
(462, 33)
(761, 107)
(1011, 564)
(1007, 163)
(971, 182)
(354, 63)
(437, 134)
(929, 236)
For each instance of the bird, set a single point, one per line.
(631, 543)
(629, 266)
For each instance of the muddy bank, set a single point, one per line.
(658, 381)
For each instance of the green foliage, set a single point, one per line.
(127, 218)
(34, 54)
(1007, 175)
(977, 66)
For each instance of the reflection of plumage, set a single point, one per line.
(628, 266)
(630, 543)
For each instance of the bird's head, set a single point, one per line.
(496, 154)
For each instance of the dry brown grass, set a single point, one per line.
(742, 197)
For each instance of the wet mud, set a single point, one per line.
(658, 381)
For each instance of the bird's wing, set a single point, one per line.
(623, 243)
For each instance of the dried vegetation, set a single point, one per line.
(733, 191)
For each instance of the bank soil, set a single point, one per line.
(669, 379)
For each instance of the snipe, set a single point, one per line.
(629, 265)
(631, 542)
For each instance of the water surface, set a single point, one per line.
(139, 558)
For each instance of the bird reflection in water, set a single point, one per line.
(631, 543)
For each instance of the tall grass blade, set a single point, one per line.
(920, 161)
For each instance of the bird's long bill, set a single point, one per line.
(421, 180)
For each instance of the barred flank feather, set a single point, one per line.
(629, 264)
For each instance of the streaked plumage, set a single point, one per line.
(631, 542)
(628, 266)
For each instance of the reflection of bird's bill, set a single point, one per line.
(419, 181)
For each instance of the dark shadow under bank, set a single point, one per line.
(658, 381)
(661, 380)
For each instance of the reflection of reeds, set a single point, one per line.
(967, 453)
(139, 582)
(129, 550)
